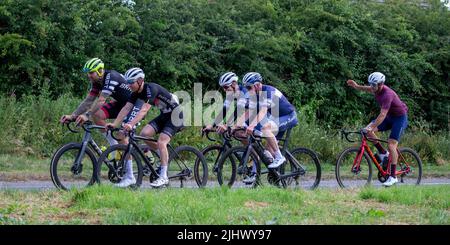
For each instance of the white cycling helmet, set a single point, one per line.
(251, 78)
(134, 73)
(227, 79)
(376, 78)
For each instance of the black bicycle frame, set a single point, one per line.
(133, 145)
(87, 141)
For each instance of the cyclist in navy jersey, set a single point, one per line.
(269, 112)
(168, 123)
(235, 95)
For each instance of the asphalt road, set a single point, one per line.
(327, 183)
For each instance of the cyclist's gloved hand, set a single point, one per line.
(221, 128)
(81, 119)
(207, 128)
(110, 126)
(367, 129)
(250, 129)
(66, 119)
(127, 127)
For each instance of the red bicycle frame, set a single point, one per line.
(365, 147)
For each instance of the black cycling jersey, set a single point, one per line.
(156, 95)
(114, 85)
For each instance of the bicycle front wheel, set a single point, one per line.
(232, 168)
(410, 165)
(348, 175)
(188, 163)
(112, 164)
(66, 173)
(212, 155)
(305, 164)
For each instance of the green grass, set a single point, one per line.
(107, 205)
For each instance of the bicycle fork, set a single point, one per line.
(356, 167)
(77, 166)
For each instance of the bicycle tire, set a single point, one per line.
(414, 169)
(56, 162)
(121, 147)
(312, 160)
(340, 174)
(197, 164)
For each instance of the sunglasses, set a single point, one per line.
(250, 87)
(226, 87)
(131, 81)
(373, 85)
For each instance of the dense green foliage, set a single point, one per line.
(306, 48)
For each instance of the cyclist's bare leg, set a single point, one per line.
(149, 131)
(272, 143)
(163, 141)
(393, 151)
(99, 118)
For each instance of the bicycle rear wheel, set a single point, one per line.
(66, 174)
(409, 162)
(111, 164)
(348, 177)
(306, 164)
(189, 164)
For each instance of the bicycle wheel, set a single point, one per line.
(188, 163)
(111, 165)
(348, 177)
(65, 174)
(232, 169)
(305, 163)
(409, 162)
(212, 156)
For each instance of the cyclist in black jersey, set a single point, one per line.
(168, 123)
(104, 84)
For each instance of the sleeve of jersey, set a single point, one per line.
(110, 85)
(150, 94)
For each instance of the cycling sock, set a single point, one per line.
(380, 148)
(393, 167)
(129, 170)
(254, 168)
(163, 172)
(110, 139)
(278, 154)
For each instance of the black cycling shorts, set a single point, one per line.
(163, 124)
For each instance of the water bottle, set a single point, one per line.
(148, 153)
(268, 156)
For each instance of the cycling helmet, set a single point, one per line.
(94, 64)
(251, 78)
(134, 73)
(227, 79)
(376, 78)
